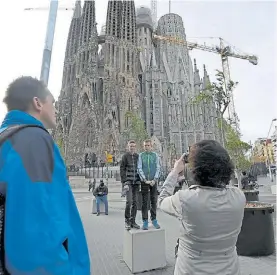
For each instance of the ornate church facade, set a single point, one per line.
(124, 69)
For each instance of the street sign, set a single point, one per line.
(109, 158)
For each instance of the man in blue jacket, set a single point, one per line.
(149, 172)
(43, 230)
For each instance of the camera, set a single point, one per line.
(186, 156)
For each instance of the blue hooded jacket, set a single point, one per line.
(44, 234)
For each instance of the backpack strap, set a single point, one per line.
(6, 133)
(11, 130)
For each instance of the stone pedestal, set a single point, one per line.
(93, 206)
(144, 250)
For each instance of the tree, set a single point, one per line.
(136, 128)
(218, 92)
(236, 148)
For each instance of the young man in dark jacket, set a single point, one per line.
(101, 195)
(130, 182)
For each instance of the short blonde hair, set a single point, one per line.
(148, 141)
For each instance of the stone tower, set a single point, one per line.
(129, 98)
(153, 92)
(198, 108)
(81, 137)
(66, 104)
(111, 96)
(173, 60)
(145, 49)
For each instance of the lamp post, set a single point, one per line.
(47, 52)
(49, 39)
(267, 154)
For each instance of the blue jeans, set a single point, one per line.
(103, 199)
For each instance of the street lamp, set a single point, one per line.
(47, 52)
(267, 154)
(49, 39)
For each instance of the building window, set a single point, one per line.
(151, 118)
(130, 107)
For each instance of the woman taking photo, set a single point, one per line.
(210, 212)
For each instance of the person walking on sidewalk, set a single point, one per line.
(40, 222)
(101, 195)
(130, 184)
(149, 172)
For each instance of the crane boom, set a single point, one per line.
(47, 8)
(226, 51)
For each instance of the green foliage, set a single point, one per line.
(243, 163)
(236, 147)
(204, 96)
(136, 129)
(217, 92)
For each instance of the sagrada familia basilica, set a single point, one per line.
(125, 69)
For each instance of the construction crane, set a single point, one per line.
(225, 52)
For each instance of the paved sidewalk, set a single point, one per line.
(105, 238)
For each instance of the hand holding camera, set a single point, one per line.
(179, 165)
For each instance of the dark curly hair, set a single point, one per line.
(211, 164)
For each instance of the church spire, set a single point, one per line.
(77, 9)
(88, 28)
(153, 62)
(128, 21)
(74, 30)
(72, 45)
(113, 20)
(197, 80)
(206, 79)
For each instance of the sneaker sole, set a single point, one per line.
(135, 227)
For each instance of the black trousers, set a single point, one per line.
(147, 190)
(131, 203)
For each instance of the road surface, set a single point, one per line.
(105, 237)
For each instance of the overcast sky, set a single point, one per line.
(250, 26)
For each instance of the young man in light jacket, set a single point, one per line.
(149, 173)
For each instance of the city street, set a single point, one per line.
(105, 236)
